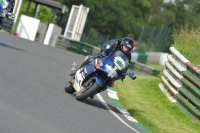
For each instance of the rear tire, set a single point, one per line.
(69, 88)
(83, 95)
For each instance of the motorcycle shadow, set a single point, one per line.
(98, 104)
(5, 45)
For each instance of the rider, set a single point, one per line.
(4, 5)
(125, 45)
(10, 12)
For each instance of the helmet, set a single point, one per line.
(126, 45)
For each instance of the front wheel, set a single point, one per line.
(86, 92)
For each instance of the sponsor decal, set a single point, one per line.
(119, 62)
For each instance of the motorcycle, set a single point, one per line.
(98, 75)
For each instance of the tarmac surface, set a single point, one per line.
(32, 95)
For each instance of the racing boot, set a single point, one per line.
(11, 15)
(73, 70)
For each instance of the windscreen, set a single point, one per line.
(120, 60)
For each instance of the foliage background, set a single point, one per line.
(115, 19)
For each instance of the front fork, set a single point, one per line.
(104, 84)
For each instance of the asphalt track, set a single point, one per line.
(32, 96)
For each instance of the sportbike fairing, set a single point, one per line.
(82, 73)
(113, 66)
(117, 65)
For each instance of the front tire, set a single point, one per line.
(69, 88)
(82, 95)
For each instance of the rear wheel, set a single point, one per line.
(88, 91)
(69, 88)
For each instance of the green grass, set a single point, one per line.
(187, 42)
(156, 66)
(148, 104)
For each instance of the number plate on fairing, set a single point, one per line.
(120, 63)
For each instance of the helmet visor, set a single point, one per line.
(126, 49)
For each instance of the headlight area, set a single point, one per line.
(111, 71)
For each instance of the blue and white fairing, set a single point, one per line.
(114, 66)
(109, 69)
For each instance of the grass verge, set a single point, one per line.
(147, 103)
(156, 66)
(187, 42)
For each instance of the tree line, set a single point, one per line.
(126, 18)
(121, 18)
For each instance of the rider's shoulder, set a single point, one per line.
(129, 56)
(114, 41)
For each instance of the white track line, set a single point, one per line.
(111, 111)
